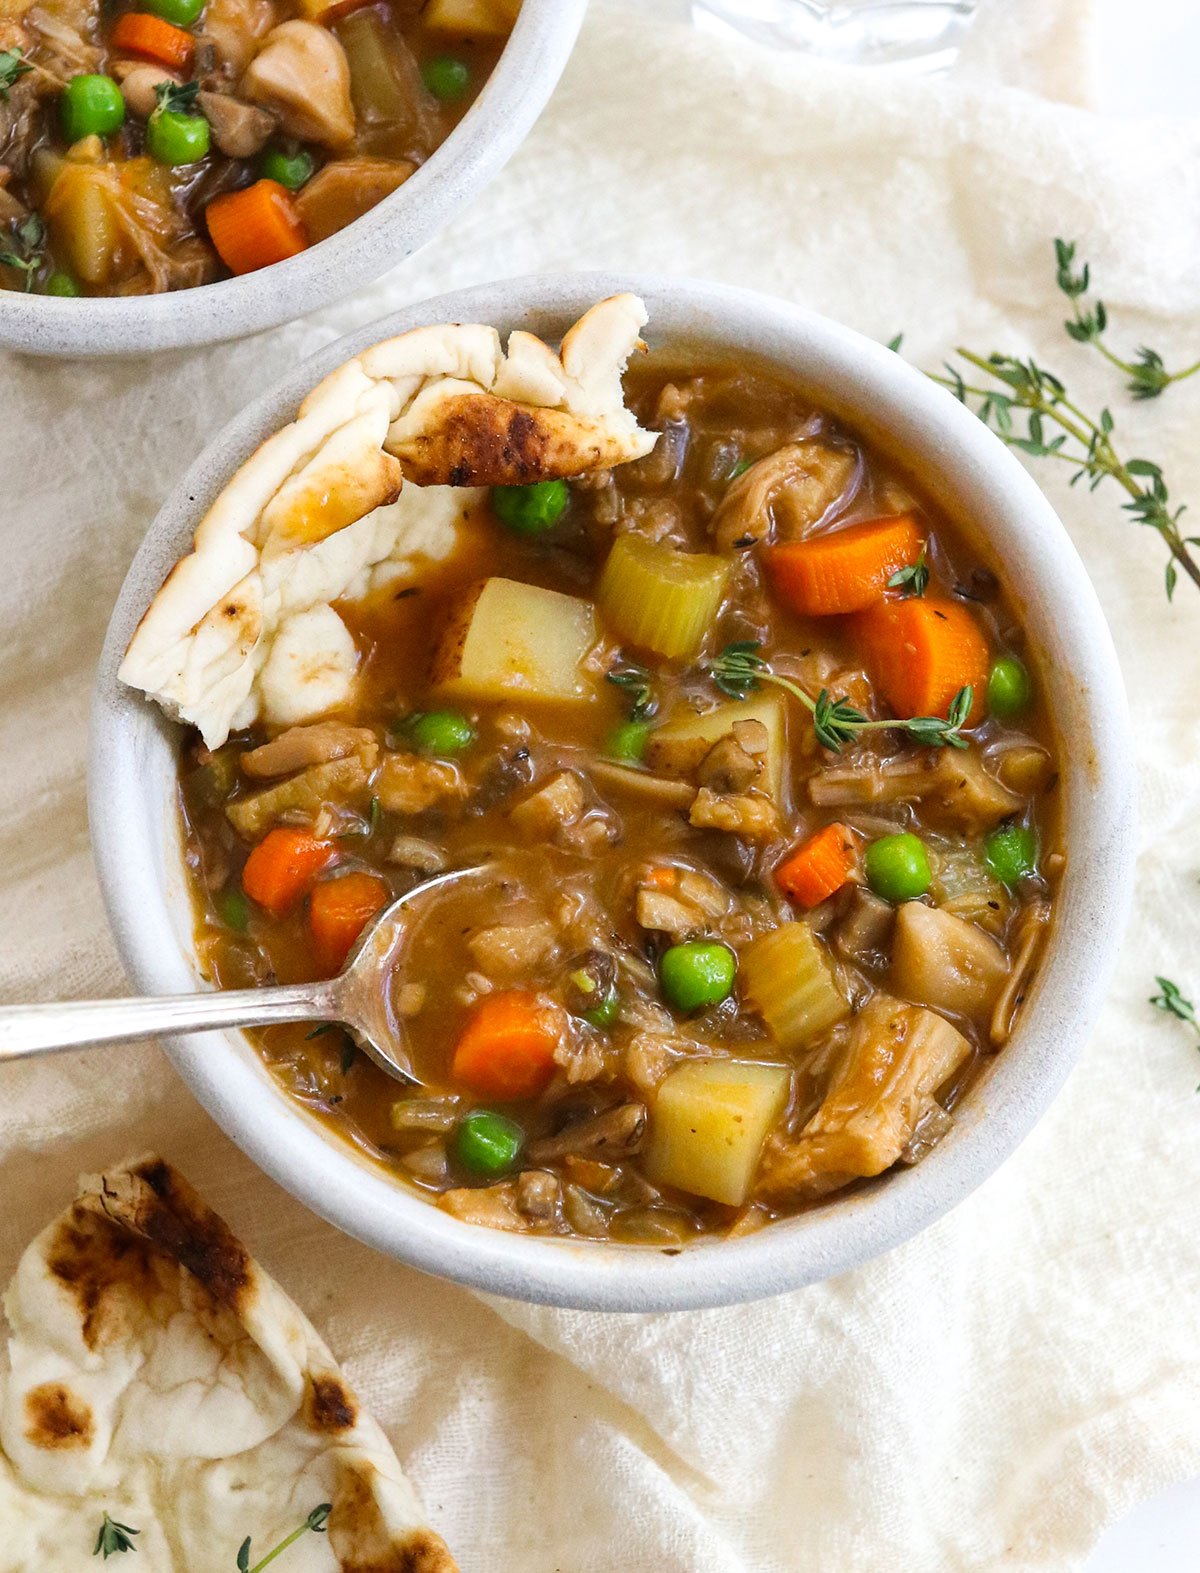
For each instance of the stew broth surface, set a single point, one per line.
(565, 916)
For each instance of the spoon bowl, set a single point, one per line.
(358, 998)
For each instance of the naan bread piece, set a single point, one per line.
(375, 477)
(471, 415)
(160, 1376)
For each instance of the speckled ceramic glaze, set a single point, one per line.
(136, 837)
(475, 151)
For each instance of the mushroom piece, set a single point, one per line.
(640, 785)
(537, 1194)
(1031, 931)
(239, 130)
(955, 782)
(346, 189)
(791, 489)
(302, 74)
(301, 746)
(139, 85)
(616, 1133)
(737, 760)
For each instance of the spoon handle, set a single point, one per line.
(44, 1029)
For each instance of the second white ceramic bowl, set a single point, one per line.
(476, 150)
(136, 836)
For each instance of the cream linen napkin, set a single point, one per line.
(989, 1395)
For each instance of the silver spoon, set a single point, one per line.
(357, 998)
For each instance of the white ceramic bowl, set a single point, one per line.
(136, 838)
(476, 150)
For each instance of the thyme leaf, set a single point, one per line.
(740, 669)
(12, 66)
(114, 1537)
(1029, 409)
(177, 98)
(1147, 374)
(638, 683)
(29, 238)
(1170, 1000)
(314, 1523)
(913, 580)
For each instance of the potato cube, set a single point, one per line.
(510, 640)
(709, 1122)
(474, 18)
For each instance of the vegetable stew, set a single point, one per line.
(762, 776)
(167, 143)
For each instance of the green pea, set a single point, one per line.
(606, 1012)
(182, 13)
(288, 169)
(233, 909)
(898, 867)
(697, 974)
(441, 732)
(91, 106)
(175, 138)
(487, 1144)
(531, 510)
(446, 78)
(1009, 688)
(627, 742)
(61, 284)
(1011, 853)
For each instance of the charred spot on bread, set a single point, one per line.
(57, 1419)
(331, 1405)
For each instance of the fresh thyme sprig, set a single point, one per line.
(1172, 1003)
(638, 683)
(913, 580)
(740, 669)
(114, 1537)
(30, 237)
(1147, 374)
(13, 66)
(1055, 427)
(315, 1522)
(176, 97)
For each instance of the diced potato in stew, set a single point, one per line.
(152, 145)
(745, 935)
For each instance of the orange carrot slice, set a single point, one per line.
(255, 227)
(814, 871)
(918, 654)
(282, 867)
(507, 1047)
(843, 570)
(150, 38)
(338, 911)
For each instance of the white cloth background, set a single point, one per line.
(989, 1395)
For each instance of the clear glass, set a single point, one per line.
(922, 35)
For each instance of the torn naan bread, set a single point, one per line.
(159, 1376)
(375, 477)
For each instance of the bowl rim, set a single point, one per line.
(496, 124)
(913, 417)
